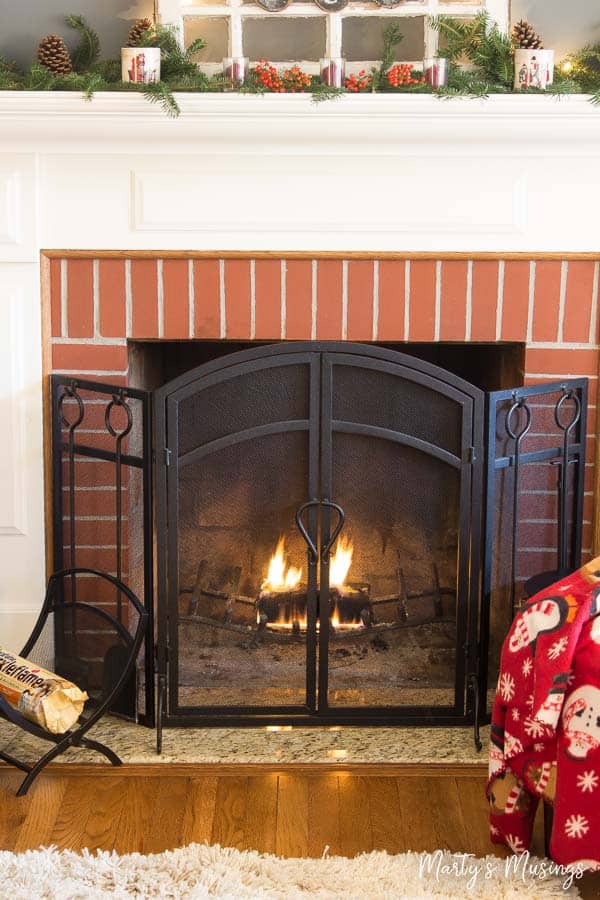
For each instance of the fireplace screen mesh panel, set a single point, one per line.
(404, 561)
(318, 513)
(235, 506)
(243, 469)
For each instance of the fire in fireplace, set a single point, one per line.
(336, 528)
(282, 602)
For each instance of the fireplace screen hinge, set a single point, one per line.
(471, 455)
(167, 457)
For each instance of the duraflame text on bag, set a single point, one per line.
(41, 696)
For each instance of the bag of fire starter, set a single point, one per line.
(42, 697)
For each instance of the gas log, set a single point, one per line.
(350, 609)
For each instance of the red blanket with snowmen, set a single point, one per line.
(545, 737)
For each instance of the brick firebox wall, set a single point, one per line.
(97, 302)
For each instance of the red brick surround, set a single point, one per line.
(550, 305)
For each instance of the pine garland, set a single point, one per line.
(478, 40)
(585, 68)
(481, 43)
(87, 51)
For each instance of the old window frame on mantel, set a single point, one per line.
(174, 12)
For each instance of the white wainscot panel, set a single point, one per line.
(253, 201)
(300, 194)
(21, 451)
(13, 408)
(17, 208)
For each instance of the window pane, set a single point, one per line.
(285, 38)
(215, 32)
(362, 38)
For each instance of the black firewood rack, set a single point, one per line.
(54, 644)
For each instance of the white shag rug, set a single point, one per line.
(200, 871)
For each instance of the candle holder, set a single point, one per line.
(333, 71)
(435, 71)
(534, 69)
(236, 68)
(140, 65)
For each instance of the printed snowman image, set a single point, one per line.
(540, 617)
(581, 721)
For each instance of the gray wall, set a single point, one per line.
(563, 25)
(24, 22)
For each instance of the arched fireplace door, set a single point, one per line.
(319, 514)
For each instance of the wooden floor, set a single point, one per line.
(287, 814)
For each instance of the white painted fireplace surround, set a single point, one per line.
(278, 173)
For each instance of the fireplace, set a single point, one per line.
(333, 521)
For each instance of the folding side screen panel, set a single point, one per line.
(535, 490)
(102, 507)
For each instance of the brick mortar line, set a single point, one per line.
(191, 299)
(469, 302)
(283, 298)
(562, 345)
(252, 299)
(564, 274)
(556, 376)
(160, 298)
(500, 300)
(594, 313)
(344, 322)
(375, 330)
(222, 307)
(86, 372)
(96, 297)
(530, 301)
(438, 301)
(98, 341)
(64, 298)
(313, 300)
(128, 299)
(406, 299)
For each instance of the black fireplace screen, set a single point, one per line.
(320, 505)
(334, 526)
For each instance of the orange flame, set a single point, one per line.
(278, 578)
(341, 562)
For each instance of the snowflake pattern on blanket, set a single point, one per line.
(545, 735)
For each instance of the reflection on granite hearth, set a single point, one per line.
(334, 745)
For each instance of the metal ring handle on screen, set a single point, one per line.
(518, 404)
(309, 541)
(118, 402)
(568, 395)
(336, 531)
(70, 391)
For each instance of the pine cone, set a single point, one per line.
(54, 54)
(525, 37)
(139, 27)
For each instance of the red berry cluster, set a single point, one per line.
(266, 76)
(360, 82)
(295, 80)
(402, 74)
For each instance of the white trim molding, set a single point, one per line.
(280, 172)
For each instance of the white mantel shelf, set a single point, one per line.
(36, 120)
(375, 172)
